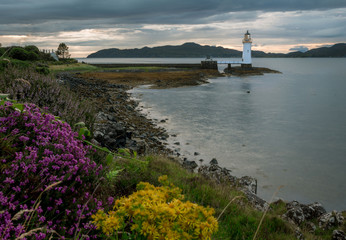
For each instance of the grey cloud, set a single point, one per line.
(145, 11)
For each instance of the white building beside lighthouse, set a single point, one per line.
(247, 41)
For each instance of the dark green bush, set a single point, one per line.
(32, 48)
(43, 70)
(32, 56)
(2, 51)
(3, 64)
(18, 53)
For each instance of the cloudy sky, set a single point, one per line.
(90, 25)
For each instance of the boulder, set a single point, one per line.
(338, 235)
(312, 211)
(213, 162)
(330, 220)
(295, 214)
(189, 164)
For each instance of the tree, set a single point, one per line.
(62, 51)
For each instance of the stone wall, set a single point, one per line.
(209, 64)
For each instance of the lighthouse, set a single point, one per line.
(247, 41)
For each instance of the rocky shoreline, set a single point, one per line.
(119, 124)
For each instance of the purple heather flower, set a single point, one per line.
(51, 153)
(58, 202)
(8, 180)
(15, 131)
(16, 189)
(110, 200)
(68, 211)
(42, 219)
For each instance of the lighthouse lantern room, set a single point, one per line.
(247, 41)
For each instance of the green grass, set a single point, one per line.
(239, 220)
(74, 67)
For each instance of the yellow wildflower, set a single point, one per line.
(158, 213)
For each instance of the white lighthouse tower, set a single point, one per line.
(247, 41)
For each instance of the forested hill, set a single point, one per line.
(194, 50)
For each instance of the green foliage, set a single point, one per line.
(6, 63)
(32, 48)
(18, 53)
(32, 56)
(15, 106)
(29, 53)
(3, 64)
(2, 51)
(62, 66)
(43, 70)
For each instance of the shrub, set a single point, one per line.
(37, 151)
(43, 70)
(32, 48)
(18, 53)
(26, 85)
(3, 64)
(157, 213)
(2, 51)
(32, 56)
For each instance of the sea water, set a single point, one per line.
(284, 129)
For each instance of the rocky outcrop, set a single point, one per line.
(330, 220)
(299, 213)
(248, 185)
(304, 215)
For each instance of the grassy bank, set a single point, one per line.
(76, 67)
(74, 200)
(237, 220)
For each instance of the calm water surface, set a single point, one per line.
(289, 130)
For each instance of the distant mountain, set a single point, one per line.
(337, 50)
(194, 50)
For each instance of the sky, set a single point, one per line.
(87, 26)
